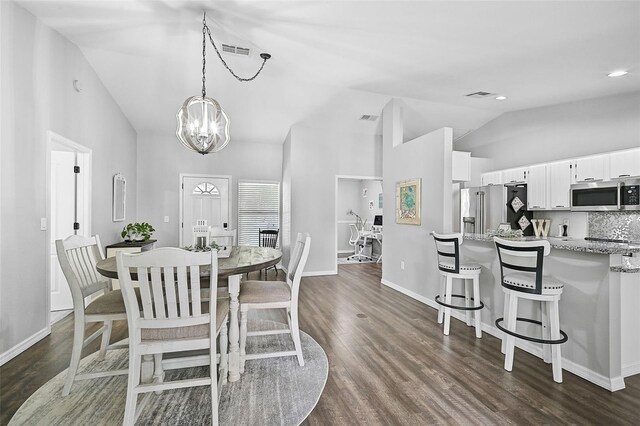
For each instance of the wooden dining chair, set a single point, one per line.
(268, 238)
(275, 295)
(78, 257)
(172, 317)
(223, 237)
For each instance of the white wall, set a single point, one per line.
(317, 156)
(38, 68)
(161, 160)
(373, 187)
(558, 132)
(349, 198)
(427, 157)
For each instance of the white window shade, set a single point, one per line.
(258, 208)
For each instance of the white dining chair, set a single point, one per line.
(78, 257)
(171, 317)
(223, 237)
(275, 295)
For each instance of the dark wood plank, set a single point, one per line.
(389, 363)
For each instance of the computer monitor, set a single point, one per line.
(377, 220)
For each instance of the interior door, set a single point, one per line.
(204, 198)
(62, 218)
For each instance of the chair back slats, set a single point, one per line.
(183, 293)
(298, 261)
(223, 237)
(522, 256)
(448, 247)
(194, 273)
(169, 281)
(268, 237)
(78, 257)
(170, 292)
(355, 235)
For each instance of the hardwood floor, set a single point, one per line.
(390, 364)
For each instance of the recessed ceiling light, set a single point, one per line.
(617, 73)
(500, 98)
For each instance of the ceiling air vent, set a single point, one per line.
(369, 117)
(479, 95)
(235, 50)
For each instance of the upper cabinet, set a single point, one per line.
(624, 164)
(559, 185)
(590, 168)
(518, 175)
(461, 166)
(492, 178)
(537, 187)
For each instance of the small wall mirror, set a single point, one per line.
(119, 197)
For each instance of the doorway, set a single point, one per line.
(69, 211)
(203, 198)
(358, 201)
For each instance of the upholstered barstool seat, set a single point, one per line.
(550, 285)
(254, 291)
(452, 266)
(464, 267)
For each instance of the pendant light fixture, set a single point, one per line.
(203, 126)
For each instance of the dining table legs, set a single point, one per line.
(234, 329)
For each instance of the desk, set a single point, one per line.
(242, 260)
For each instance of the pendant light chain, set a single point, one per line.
(204, 55)
(264, 56)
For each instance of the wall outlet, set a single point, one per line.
(166, 219)
(402, 265)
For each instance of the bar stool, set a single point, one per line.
(450, 266)
(522, 277)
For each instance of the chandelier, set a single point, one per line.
(203, 126)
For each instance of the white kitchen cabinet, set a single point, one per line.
(461, 166)
(491, 178)
(590, 168)
(537, 187)
(559, 185)
(518, 175)
(624, 164)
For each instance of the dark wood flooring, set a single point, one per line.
(390, 364)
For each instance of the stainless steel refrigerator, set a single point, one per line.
(484, 208)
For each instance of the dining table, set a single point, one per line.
(241, 260)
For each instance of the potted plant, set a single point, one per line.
(137, 231)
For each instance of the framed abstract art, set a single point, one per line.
(408, 201)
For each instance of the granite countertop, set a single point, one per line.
(575, 245)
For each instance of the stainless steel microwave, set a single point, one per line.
(606, 196)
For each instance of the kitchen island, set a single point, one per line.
(598, 308)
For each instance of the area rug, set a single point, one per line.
(272, 391)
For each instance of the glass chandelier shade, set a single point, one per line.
(203, 126)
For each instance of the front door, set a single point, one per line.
(204, 198)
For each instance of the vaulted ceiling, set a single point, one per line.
(345, 58)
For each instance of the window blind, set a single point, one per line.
(258, 208)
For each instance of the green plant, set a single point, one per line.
(134, 230)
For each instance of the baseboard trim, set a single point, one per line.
(24, 345)
(345, 251)
(631, 369)
(58, 315)
(613, 384)
(319, 273)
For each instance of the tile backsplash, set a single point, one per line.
(614, 225)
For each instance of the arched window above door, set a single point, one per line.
(206, 188)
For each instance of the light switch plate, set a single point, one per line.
(43, 223)
(166, 219)
(402, 264)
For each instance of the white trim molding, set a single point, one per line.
(611, 384)
(319, 273)
(24, 345)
